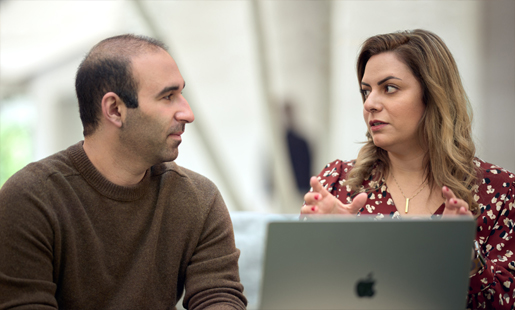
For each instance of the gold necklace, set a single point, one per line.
(408, 199)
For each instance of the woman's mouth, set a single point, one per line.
(377, 125)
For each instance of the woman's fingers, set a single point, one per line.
(312, 198)
(317, 187)
(447, 193)
(451, 202)
(453, 205)
(309, 209)
(357, 203)
(321, 201)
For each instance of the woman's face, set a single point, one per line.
(393, 104)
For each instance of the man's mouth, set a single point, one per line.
(178, 130)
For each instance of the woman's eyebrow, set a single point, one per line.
(388, 78)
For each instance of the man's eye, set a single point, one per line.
(167, 97)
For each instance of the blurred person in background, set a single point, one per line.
(419, 158)
(113, 222)
(298, 149)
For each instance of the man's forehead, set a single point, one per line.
(154, 57)
(156, 68)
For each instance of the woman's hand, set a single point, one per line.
(320, 201)
(453, 205)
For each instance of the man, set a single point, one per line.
(112, 222)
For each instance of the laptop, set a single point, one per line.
(364, 263)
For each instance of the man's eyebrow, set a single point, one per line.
(382, 81)
(169, 89)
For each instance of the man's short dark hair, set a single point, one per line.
(108, 68)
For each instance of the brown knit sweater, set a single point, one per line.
(69, 238)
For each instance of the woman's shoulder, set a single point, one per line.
(494, 175)
(335, 173)
(337, 167)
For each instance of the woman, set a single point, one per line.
(419, 158)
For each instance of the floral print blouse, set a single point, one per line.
(493, 286)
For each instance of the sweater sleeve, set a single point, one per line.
(493, 286)
(212, 278)
(26, 246)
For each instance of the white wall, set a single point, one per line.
(496, 137)
(311, 47)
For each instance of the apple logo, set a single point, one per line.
(364, 287)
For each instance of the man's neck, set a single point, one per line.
(110, 161)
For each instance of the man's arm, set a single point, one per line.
(26, 246)
(212, 278)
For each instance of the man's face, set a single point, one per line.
(153, 131)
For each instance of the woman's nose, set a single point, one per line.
(372, 103)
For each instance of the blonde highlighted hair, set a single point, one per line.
(445, 127)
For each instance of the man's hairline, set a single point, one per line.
(130, 59)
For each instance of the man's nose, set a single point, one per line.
(185, 114)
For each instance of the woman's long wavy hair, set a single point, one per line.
(445, 127)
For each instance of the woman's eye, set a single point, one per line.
(365, 92)
(390, 89)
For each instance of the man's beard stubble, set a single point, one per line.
(143, 137)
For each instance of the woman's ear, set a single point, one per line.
(113, 109)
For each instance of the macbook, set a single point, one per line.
(365, 263)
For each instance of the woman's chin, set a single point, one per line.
(380, 143)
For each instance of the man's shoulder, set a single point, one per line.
(32, 187)
(174, 172)
(43, 169)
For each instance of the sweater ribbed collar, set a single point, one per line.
(105, 187)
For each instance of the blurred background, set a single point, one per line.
(263, 78)
(272, 85)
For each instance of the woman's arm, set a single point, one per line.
(492, 286)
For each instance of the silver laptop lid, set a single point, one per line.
(363, 263)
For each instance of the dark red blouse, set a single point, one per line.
(492, 287)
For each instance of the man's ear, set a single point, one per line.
(113, 109)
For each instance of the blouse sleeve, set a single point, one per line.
(493, 287)
(332, 177)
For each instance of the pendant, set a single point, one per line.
(407, 204)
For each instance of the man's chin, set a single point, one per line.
(171, 156)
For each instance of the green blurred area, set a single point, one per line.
(15, 149)
(17, 114)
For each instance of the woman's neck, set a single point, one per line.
(408, 185)
(407, 166)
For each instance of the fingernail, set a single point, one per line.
(317, 197)
(313, 209)
(446, 188)
(455, 201)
